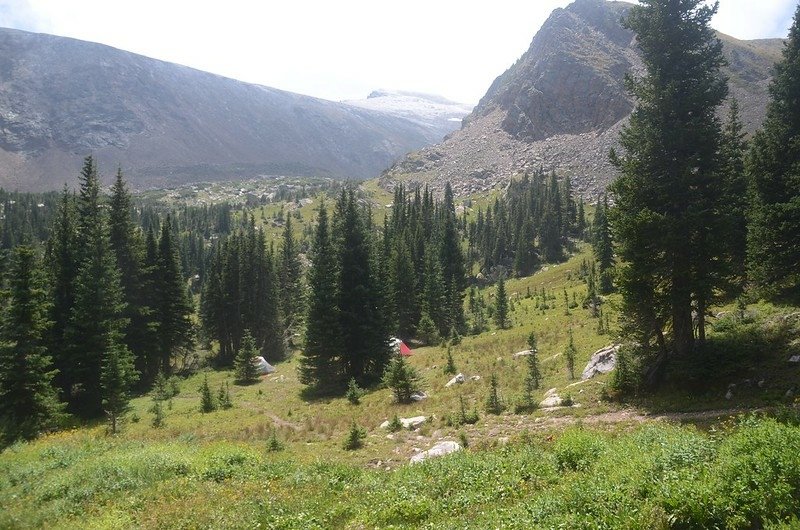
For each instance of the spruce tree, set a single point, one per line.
(363, 327)
(207, 403)
(668, 194)
(246, 371)
(128, 247)
(28, 401)
(569, 355)
(773, 252)
(402, 379)
(172, 306)
(321, 363)
(494, 405)
(501, 305)
(603, 247)
(736, 203)
(290, 278)
(95, 332)
(117, 375)
(63, 270)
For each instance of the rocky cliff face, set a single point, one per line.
(562, 104)
(61, 99)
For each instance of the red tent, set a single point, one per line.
(405, 351)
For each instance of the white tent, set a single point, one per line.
(263, 366)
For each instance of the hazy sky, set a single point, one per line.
(339, 49)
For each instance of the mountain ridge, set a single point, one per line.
(163, 123)
(562, 104)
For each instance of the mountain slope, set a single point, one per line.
(61, 99)
(562, 104)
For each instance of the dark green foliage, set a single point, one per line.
(292, 295)
(159, 418)
(494, 405)
(668, 196)
(736, 193)
(127, 243)
(354, 392)
(773, 252)
(117, 375)
(172, 306)
(246, 372)
(625, 378)
(426, 329)
(207, 403)
(395, 424)
(450, 367)
(569, 356)
(501, 305)
(402, 379)
(364, 330)
(241, 292)
(355, 438)
(321, 364)
(603, 247)
(101, 367)
(274, 444)
(28, 401)
(224, 396)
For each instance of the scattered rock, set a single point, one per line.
(551, 399)
(475, 378)
(789, 394)
(761, 383)
(408, 423)
(440, 449)
(419, 396)
(603, 361)
(457, 380)
(522, 353)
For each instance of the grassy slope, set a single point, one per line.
(213, 469)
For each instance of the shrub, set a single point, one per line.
(354, 392)
(274, 444)
(395, 424)
(494, 405)
(355, 438)
(577, 450)
(207, 403)
(158, 415)
(402, 378)
(224, 396)
(450, 367)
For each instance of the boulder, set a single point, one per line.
(603, 361)
(522, 353)
(551, 399)
(440, 449)
(457, 380)
(475, 378)
(419, 396)
(408, 423)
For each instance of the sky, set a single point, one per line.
(339, 49)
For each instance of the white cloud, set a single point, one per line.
(337, 50)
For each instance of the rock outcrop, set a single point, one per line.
(562, 104)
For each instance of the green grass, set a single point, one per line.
(648, 476)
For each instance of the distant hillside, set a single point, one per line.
(562, 104)
(61, 99)
(432, 112)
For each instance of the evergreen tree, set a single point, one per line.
(28, 401)
(172, 306)
(207, 403)
(494, 405)
(569, 356)
(94, 336)
(290, 278)
(322, 354)
(63, 271)
(668, 192)
(246, 371)
(402, 379)
(603, 247)
(452, 263)
(501, 305)
(773, 252)
(128, 247)
(364, 330)
(736, 204)
(450, 367)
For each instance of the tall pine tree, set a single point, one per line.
(28, 401)
(668, 193)
(772, 165)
